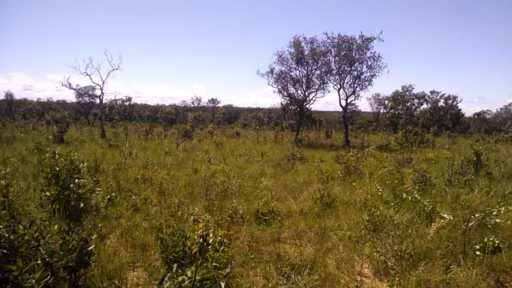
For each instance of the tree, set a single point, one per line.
(402, 106)
(196, 101)
(213, 102)
(442, 112)
(355, 65)
(119, 109)
(482, 122)
(10, 105)
(377, 103)
(299, 74)
(86, 99)
(98, 75)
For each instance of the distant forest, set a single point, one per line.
(433, 112)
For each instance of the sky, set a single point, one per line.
(172, 50)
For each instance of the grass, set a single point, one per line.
(318, 215)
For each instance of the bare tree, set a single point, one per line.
(355, 65)
(98, 73)
(299, 74)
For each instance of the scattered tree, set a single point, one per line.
(98, 75)
(377, 103)
(86, 99)
(196, 101)
(442, 112)
(402, 106)
(355, 65)
(213, 102)
(299, 74)
(10, 109)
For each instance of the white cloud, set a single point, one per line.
(49, 86)
(24, 86)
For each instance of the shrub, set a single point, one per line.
(329, 133)
(20, 243)
(351, 163)
(185, 132)
(414, 138)
(266, 215)
(296, 155)
(68, 198)
(194, 257)
(324, 200)
(60, 125)
(67, 194)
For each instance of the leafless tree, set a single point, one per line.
(98, 74)
(355, 65)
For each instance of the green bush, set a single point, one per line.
(67, 193)
(197, 255)
(60, 126)
(414, 138)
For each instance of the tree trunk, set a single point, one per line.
(346, 129)
(103, 133)
(298, 125)
(297, 131)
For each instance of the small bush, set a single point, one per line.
(296, 155)
(414, 138)
(324, 200)
(60, 126)
(67, 193)
(351, 164)
(185, 133)
(329, 133)
(266, 215)
(68, 198)
(237, 133)
(197, 256)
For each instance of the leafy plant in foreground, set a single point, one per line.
(194, 257)
(68, 198)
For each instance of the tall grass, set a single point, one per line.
(316, 215)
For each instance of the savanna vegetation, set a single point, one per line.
(110, 193)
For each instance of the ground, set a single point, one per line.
(383, 213)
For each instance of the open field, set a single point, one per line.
(316, 215)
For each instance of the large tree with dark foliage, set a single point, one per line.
(355, 65)
(402, 106)
(98, 74)
(442, 112)
(86, 98)
(299, 74)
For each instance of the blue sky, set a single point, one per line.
(172, 50)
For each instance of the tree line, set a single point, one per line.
(307, 69)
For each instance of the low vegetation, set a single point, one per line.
(246, 208)
(415, 194)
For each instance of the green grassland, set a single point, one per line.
(385, 213)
